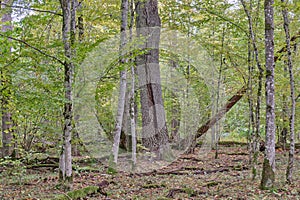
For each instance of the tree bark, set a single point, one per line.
(6, 104)
(268, 173)
(255, 140)
(290, 167)
(123, 81)
(68, 32)
(154, 129)
(132, 95)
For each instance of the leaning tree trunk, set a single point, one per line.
(7, 122)
(154, 129)
(68, 29)
(123, 82)
(289, 173)
(268, 173)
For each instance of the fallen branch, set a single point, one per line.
(189, 191)
(53, 166)
(153, 186)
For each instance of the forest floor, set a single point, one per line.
(190, 177)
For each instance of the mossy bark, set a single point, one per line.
(268, 176)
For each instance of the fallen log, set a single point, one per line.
(212, 121)
(230, 103)
(233, 100)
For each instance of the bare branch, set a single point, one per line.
(297, 97)
(33, 47)
(33, 9)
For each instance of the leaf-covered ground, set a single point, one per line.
(193, 176)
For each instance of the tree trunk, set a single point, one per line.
(6, 104)
(123, 82)
(268, 173)
(68, 32)
(284, 131)
(217, 127)
(222, 111)
(80, 28)
(132, 94)
(289, 172)
(154, 129)
(256, 136)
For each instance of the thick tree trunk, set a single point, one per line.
(6, 104)
(268, 173)
(290, 167)
(154, 129)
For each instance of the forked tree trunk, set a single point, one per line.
(123, 82)
(268, 173)
(290, 167)
(6, 103)
(154, 129)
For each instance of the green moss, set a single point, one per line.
(268, 176)
(189, 191)
(112, 169)
(78, 194)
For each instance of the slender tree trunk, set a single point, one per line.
(218, 93)
(6, 104)
(68, 32)
(255, 141)
(80, 28)
(268, 173)
(284, 131)
(154, 129)
(289, 172)
(123, 82)
(132, 93)
(76, 141)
